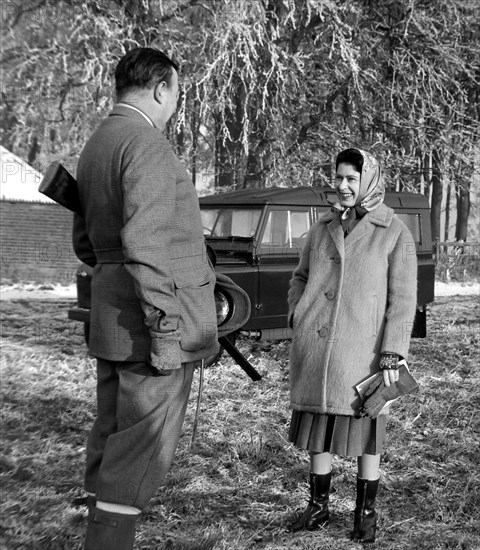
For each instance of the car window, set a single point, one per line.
(230, 222)
(412, 221)
(286, 228)
(209, 217)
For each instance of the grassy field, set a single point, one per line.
(241, 482)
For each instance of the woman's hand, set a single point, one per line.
(390, 376)
(389, 367)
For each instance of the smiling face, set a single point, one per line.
(347, 184)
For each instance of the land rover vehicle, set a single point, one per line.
(257, 236)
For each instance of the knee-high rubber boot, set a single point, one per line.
(365, 519)
(110, 531)
(316, 513)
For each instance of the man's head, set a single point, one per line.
(148, 79)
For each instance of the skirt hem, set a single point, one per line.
(337, 434)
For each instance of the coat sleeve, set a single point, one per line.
(299, 279)
(149, 190)
(81, 243)
(402, 294)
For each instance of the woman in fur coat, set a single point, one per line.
(352, 302)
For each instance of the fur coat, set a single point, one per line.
(349, 300)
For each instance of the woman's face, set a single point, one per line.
(347, 184)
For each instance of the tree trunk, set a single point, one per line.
(437, 195)
(421, 164)
(447, 212)
(229, 153)
(427, 173)
(33, 151)
(463, 210)
(253, 174)
(195, 130)
(224, 164)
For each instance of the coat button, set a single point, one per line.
(330, 295)
(323, 332)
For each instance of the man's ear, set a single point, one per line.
(158, 91)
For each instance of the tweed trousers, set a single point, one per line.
(133, 440)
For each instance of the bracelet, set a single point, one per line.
(389, 361)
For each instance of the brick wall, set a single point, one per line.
(36, 242)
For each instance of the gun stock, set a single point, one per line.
(59, 185)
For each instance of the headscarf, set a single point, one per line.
(372, 187)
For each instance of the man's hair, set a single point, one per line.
(143, 68)
(350, 156)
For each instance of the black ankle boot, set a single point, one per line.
(316, 512)
(110, 531)
(365, 519)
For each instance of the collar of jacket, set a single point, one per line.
(382, 216)
(120, 110)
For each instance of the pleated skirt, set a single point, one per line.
(336, 434)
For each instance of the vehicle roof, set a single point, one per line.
(302, 196)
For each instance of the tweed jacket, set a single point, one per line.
(142, 232)
(349, 300)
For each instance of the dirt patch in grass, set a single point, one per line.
(241, 482)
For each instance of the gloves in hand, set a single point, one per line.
(376, 395)
(165, 352)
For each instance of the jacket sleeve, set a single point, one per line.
(149, 189)
(402, 295)
(299, 279)
(81, 243)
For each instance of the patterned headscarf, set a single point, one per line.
(372, 187)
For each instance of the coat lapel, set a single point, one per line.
(381, 216)
(336, 233)
(360, 231)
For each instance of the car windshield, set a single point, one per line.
(230, 222)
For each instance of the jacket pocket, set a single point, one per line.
(193, 271)
(195, 283)
(190, 266)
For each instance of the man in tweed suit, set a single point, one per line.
(153, 312)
